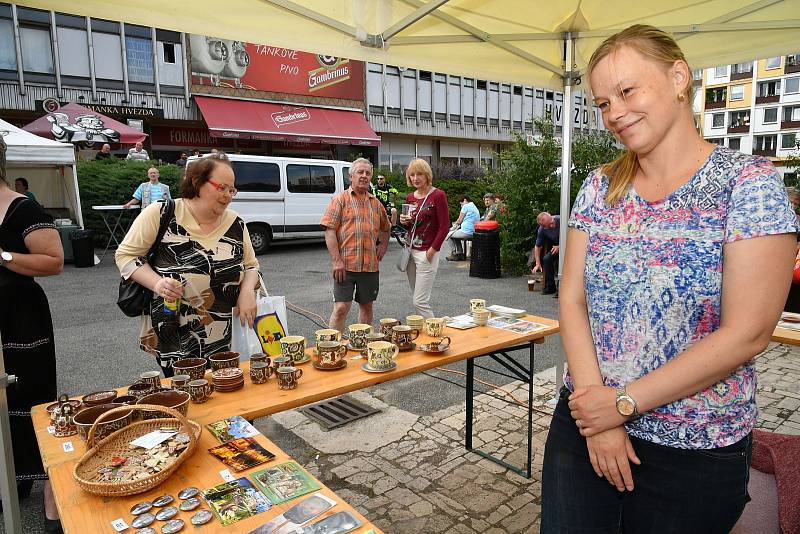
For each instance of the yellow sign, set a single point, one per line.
(270, 331)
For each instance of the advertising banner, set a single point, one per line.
(222, 63)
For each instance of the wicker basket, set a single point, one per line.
(118, 444)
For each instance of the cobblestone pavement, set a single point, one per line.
(423, 481)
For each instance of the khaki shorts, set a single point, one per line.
(364, 285)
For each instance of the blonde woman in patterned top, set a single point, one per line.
(205, 259)
(678, 261)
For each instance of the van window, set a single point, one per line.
(310, 179)
(346, 177)
(257, 177)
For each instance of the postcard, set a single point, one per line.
(337, 523)
(300, 513)
(284, 482)
(243, 453)
(237, 500)
(232, 428)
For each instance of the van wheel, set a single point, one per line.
(261, 237)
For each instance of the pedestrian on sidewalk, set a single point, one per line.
(357, 236)
(545, 252)
(653, 431)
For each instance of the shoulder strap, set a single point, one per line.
(416, 214)
(166, 216)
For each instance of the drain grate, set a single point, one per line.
(336, 412)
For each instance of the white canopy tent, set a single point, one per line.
(49, 167)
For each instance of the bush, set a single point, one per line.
(113, 181)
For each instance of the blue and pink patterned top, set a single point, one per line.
(653, 281)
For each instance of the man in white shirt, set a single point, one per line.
(149, 192)
(138, 153)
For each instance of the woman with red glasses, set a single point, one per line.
(205, 262)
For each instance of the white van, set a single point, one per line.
(284, 198)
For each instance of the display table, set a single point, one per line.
(82, 512)
(112, 218)
(786, 335)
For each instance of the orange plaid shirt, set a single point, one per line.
(358, 224)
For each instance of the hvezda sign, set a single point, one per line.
(238, 65)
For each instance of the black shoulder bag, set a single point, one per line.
(134, 298)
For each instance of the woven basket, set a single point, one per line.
(118, 444)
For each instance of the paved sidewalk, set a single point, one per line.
(411, 474)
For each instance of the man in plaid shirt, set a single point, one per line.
(357, 236)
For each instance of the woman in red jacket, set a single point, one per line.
(427, 226)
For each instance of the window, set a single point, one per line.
(716, 140)
(346, 177)
(76, 62)
(37, 54)
(737, 92)
(791, 113)
(770, 115)
(772, 88)
(107, 56)
(739, 118)
(8, 54)
(741, 68)
(718, 120)
(482, 84)
(310, 179)
(773, 62)
(735, 143)
(792, 85)
(257, 177)
(697, 74)
(721, 72)
(789, 140)
(140, 59)
(169, 53)
(715, 95)
(766, 142)
(793, 60)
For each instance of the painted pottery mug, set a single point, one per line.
(288, 377)
(434, 327)
(327, 334)
(381, 355)
(330, 354)
(260, 372)
(358, 332)
(387, 324)
(293, 347)
(200, 390)
(403, 336)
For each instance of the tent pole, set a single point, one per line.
(78, 211)
(566, 166)
(8, 481)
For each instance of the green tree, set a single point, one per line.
(792, 163)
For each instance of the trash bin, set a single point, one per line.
(485, 260)
(65, 231)
(83, 248)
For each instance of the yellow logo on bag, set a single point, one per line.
(270, 331)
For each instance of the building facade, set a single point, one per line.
(753, 107)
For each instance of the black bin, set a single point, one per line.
(83, 248)
(485, 262)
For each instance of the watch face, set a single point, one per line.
(625, 407)
(6, 256)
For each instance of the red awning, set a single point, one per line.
(76, 124)
(243, 119)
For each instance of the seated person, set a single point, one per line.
(463, 228)
(386, 194)
(21, 187)
(138, 153)
(548, 235)
(492, 207)
(105, 152)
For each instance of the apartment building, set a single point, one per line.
(753, 107)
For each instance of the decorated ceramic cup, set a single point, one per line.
(327, 334)
(200, 390)
(434, 327)
(387, 324)
(223, 360)
(288, 377)
(358, 333)
(260, 372)
(403, 336)
(381, 355)
(330, 354)
(293, 347)
(415, 321)
(476, 304)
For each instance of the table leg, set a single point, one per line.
(111, 234)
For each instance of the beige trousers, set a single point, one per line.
(421, 275)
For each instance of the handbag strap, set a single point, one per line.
(416, 214)
(166, 216)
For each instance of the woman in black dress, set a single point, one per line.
(29, 247)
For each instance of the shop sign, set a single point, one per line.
(236, 65)
(49, 105)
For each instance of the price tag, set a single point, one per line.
(119, 524)
(51, 429)
(68, 446)
(226, 475)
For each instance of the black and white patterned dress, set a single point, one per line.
(210, 267)
(26, 328)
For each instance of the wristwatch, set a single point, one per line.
(5, 257)
(626, 405)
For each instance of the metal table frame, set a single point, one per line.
(106, 213)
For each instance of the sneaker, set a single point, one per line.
(457, 257)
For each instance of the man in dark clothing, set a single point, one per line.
(547, 236)
(182, 160)
(104, 153)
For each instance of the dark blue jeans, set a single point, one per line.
(675, 490)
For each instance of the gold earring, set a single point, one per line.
(681, 97)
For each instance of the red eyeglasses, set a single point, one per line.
(224, 188)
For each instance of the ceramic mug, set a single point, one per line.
(327, 334)
(434, 327)
(440, 344)
(223, 360)
(477, 304)
(194, 367)
(387, 324)
(358, 333)
(293, 347)
(403, 335)
(181, 382)
(260, 372)
(260, 357)
(415, 321)
(139, 389)
(481, 317)
(330, 354)
(200, 390)
(280, 361)
(288, 377)
(381, 355)
(151, 377)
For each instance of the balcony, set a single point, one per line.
(743, 128)
(792, 65)
(767, 99)
(786, 125)
(741, 75)
(715, 105)
(772, 152)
